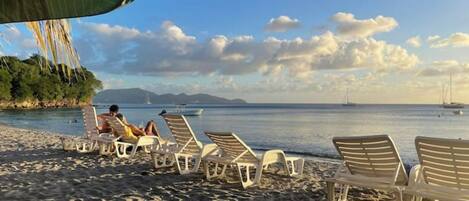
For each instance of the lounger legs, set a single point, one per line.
(86, 147)
(216, 173)
(330, 187)
(106, 148)
(295, 166)
(331, 196)
(248, 182)
(121, 149)
(162, 160)
(184, 168)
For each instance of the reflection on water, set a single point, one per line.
(301, 128)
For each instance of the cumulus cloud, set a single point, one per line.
(10, 33)
(414, 41)
(454, 40)
(282, 24)
(171, 51)
(349, 26)
(444, 68)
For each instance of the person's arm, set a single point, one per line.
(102, 116)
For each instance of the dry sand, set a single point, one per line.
(33, 166)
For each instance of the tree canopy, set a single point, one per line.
(31, 79)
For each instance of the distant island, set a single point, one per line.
(39, 83)
(140, 96)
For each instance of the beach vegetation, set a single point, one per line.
(28, 80)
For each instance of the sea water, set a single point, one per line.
(305, 129)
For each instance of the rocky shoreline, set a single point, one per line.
(33, 166)
(36, 104)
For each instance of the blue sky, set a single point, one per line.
(311, 51)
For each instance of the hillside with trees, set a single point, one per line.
(38, 83)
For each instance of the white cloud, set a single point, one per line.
(444, 68)
(454, 40)
(113, 83)
(349, 26)
(170, 51)
(282, 24)
(414, 41)
(10, 33)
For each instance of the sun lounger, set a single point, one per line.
(232, 151)
(368, 161)
(94, 140)
(146, 142)
(186, 147)
(443, 173)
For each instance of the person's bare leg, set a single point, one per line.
(155, 130)
(136, 131)
(149, 127)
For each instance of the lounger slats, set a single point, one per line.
(445, 162)
(373, 160)
(360, 145)
(371, 156)
(90, 122)
(232, 147)
(182, 133)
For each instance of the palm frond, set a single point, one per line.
(54, 37)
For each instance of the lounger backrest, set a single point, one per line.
(445, 162)
(232, 147)
(90, 121)
(372, 156)
(117, 126)
(182, 133)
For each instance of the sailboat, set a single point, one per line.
(347, 102)
(147, 99)
(451, 104)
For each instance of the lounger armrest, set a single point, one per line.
(209, 149)
(273, 156)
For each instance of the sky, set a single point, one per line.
(273, 51)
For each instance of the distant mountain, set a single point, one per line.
(140, 96)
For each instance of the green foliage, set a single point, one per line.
(5, 84)
(37, 79)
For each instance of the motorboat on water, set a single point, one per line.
(181, 109)
(458, 112)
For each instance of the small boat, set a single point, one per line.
(458, 112)
(347, 102)
(451, 104)
(181, 109)
(147, 99)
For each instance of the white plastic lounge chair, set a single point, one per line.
(103, 141)
(146, 142)
(443, 173)
(185, 146)
(368, 161)
(232, 151)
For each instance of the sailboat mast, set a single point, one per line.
(450, 87)
(346, 96)
(443, 94)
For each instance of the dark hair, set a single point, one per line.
(120, 116)
(114, 108)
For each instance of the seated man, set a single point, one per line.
(105, 127)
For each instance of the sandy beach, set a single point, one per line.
(33, 166)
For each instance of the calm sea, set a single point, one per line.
(296, 128)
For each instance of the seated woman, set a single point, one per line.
(132, 132)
